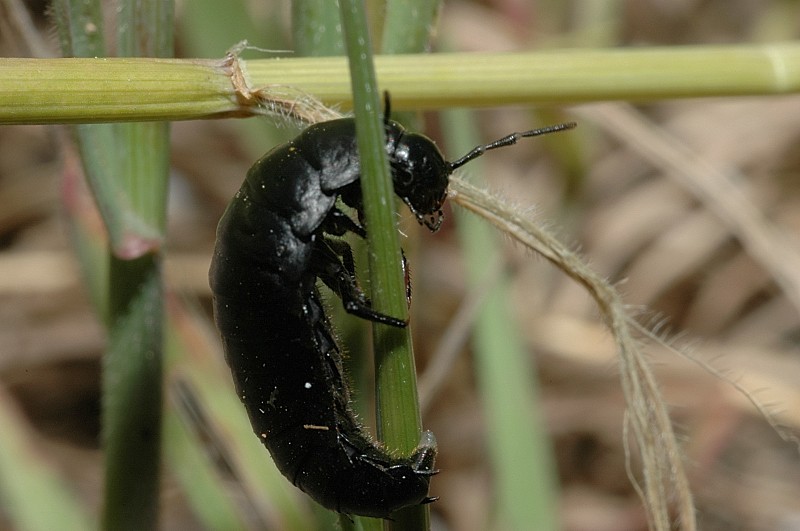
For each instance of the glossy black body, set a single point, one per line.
(273, 244)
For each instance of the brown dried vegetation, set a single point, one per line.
(671, 249)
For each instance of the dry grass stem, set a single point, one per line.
(284, 101)
(665, 484)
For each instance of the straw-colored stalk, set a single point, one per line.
(137, 89)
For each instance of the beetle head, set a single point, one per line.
(420, 176)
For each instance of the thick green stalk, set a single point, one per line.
(399, 422)
(113, 89)
(132, 395)
(132, 378)
(562, 76)
(120, 89)
(127, 168)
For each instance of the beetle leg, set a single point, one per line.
(406, 276)
(340, 248)
(338, 223)
(339, 275)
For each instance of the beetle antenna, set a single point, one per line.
(508, 141)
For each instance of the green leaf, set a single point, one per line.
(32, 495)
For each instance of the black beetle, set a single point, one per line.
(273, 242)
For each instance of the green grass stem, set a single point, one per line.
(131, 89)
(399, 421)
(126, 165)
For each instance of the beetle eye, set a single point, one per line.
(406, 177)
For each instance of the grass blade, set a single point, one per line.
(127, 168)
(33, 496)
(399, 422)
(316, 29)
(409, 25)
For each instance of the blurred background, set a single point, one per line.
(675, 257)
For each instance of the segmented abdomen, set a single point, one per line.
(287, 368)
